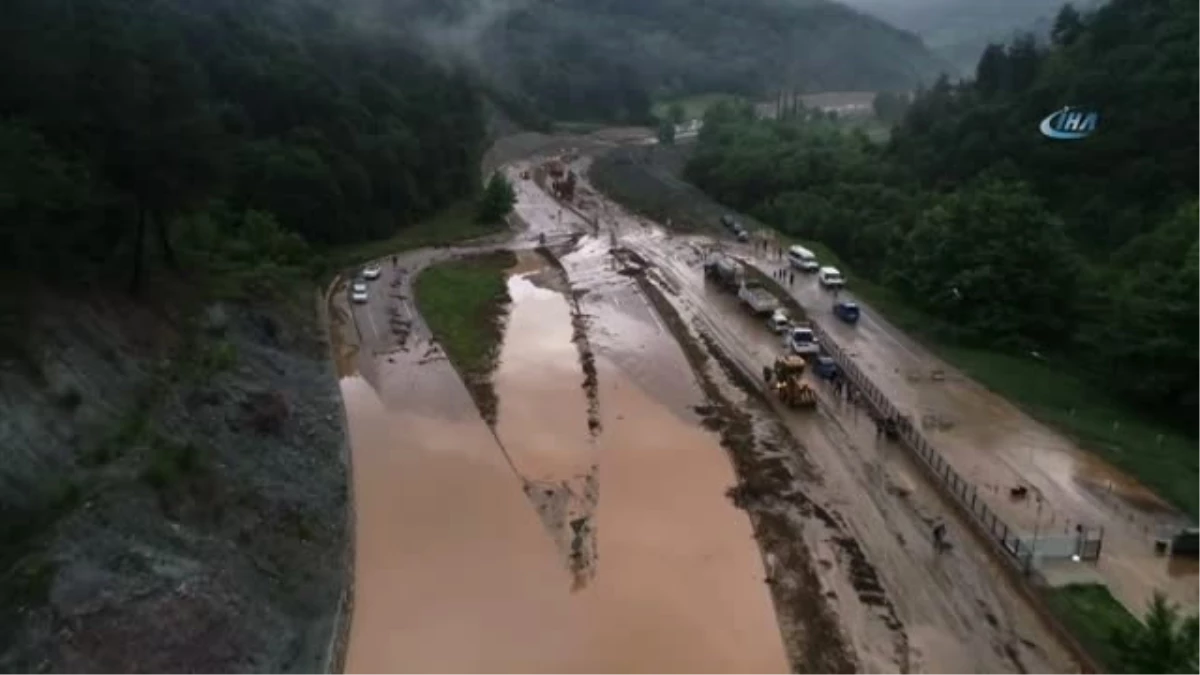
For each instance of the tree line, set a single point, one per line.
(128, 124)
(1085, 248)
(606, 59)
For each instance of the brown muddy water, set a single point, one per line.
(554, 548)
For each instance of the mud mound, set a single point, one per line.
(587, 358)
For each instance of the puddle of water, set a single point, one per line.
(456, 573)
(542, 418)
(679, 586)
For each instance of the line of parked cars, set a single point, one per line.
(828, 276)
(358, 288)
(730, 223)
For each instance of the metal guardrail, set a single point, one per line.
(965, 492)
(984, 521)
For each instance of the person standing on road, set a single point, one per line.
(791, 278)
(939, 537)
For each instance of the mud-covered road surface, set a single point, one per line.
(996, 447)
(640, 504)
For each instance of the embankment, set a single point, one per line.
(171, 471)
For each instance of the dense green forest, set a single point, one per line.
(605, 59)
(254, 126)
(1085, 250)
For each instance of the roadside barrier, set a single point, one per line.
(334, 660)
(990, 527)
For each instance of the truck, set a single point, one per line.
(757, 298)
(729, 273)
(725, 271)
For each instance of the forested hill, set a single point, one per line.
(600, 59)
(1084, 250)
(268, 123)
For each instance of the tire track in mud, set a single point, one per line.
(811, 632)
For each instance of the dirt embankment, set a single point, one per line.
(579, 335)
(173, 493)
(811, 631)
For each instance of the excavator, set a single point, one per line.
(789, 383)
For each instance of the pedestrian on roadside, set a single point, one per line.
(791, 278)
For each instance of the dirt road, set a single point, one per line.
(591, 528)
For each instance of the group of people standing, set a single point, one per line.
(784, 274)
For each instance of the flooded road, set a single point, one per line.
(468, 542)
(957, 611)
(595, 528)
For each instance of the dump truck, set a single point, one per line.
(729, 273)
(725, 271)
(757, 298)
(790, 383)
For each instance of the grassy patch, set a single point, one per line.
(693, 106)
(453, 225)
(464, 302)
(170, 462)
(1093, 615)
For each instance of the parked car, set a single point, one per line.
(803, 341)
(802, 259)
(372, 272)
(830, 277)
(825, 367)
(847, 311)
(358, 292)
(779, 322)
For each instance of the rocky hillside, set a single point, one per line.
(173, 490)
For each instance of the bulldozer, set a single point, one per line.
(788, 381)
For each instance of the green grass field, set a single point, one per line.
(1093, 615)
(465, 302)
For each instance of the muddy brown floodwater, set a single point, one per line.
(546, 547)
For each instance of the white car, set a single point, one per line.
(779, 322)
(830, 277)
(803, 341)
(358, 292)
(372, 272)
(802, 259)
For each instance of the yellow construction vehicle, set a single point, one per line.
(787, 379)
